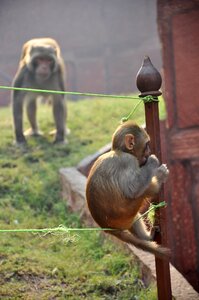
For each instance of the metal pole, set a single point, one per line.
(148, 82)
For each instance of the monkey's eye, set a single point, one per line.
(35, 63)
(147, 149)
(43, 59)
(49, 61)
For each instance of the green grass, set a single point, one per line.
(83, 266)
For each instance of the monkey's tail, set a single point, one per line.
(149, 246)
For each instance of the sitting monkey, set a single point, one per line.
(120, 181)
(41, 66)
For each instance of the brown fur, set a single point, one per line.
(119, 183)
(41, 66)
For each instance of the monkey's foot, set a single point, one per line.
(31, 132)
(54, 131)
(60, 142)
(20, 144)
(68, 131)
(19, 139)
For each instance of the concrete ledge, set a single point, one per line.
(85, 165)
(73, 191)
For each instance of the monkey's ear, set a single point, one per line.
(129, 141)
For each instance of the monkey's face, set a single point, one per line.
(141, 150)
(131, 138)
(43, 67)
(144, 154)
(42, 62)
(138, 146)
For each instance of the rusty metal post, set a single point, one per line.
(149, 82)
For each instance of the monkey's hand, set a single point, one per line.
(162, 173)
(153, 162)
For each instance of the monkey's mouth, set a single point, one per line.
(42, 77)
(143, 161)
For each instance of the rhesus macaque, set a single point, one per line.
(120, 181)
(41, 66)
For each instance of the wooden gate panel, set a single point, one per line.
(178, 23)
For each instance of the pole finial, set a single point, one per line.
(148, 79)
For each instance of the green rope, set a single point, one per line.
(152, 207)
(149, 98)
(63, 229)
(124, 119)
(67, 93)
(59, 229)
(145, 99)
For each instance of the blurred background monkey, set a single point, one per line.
(119, 183)
(41, 67)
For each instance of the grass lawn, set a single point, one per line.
(75, 266)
